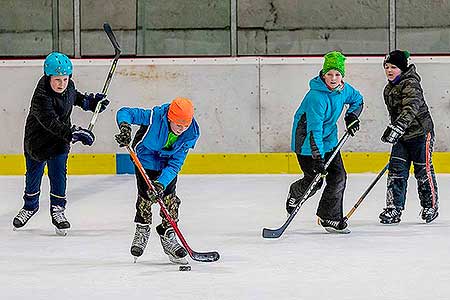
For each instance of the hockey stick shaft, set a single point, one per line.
(366, 192)
(205, 257)
(276, 233)
(112, 69)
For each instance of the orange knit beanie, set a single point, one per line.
(181, 111)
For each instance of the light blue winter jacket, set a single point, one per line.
(314, 130)
(150, 148)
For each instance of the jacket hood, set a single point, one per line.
(319, 85)
(410, 73)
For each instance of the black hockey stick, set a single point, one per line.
(276, 233)
(366, 192)
(117, 52)
(198, 256)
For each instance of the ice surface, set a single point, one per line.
(224, 213)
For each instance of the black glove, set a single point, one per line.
(124, 137)
(352, 123)
(91, 101)
(82, 135)
(393, 133)
(157, 193)
(319, 166)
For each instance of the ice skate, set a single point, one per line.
(23, 217)
(59, 220)
(390, 215)
(174, 251)
(140, 240)
(331, 226)
(291, 204)
(429, 214)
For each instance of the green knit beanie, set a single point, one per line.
(334, 60)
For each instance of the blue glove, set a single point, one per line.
(86, 137)
(90, 101)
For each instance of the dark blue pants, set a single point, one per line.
(57, 173)
(417, 151)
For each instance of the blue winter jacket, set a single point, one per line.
(150, 148)
(314, 131)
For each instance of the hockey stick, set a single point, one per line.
(198, 256)
(366, 192)
(276, 233)
(117, 52)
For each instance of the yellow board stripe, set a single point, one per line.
(78, 164)
(83, 164)
(223, 163)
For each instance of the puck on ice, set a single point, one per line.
(184, 268)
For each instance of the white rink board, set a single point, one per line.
(243, 105)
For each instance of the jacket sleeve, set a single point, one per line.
(412, 97)
(173, 167)
(80, 100)
(136, 116)
(42, 109)
(355, 102)
(315, 115)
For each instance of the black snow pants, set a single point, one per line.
(331, 203)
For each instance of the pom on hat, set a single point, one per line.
(334, 60)
(398, 58)
(181, 111)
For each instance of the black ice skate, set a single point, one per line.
(291, 204)
(170, 245)
(429, 214)
(334, 226)
(140, 240)
(59, 220)
(23, 217)
(390, 215)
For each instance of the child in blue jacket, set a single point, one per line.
(315, 136)
(166, 134)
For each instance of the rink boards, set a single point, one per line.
(218, 163)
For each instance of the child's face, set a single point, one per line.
(392, 71)
(59, 83)
(333, 79)
(177, 129)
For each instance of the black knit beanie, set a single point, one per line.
(398, 58)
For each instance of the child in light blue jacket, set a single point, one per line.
(315, 136)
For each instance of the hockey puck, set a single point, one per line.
(184, 268)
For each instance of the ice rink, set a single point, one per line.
(225, 213)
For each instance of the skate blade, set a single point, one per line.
(61, 232)
(135, 259)
(333, 230)
(389, 223)
(178, 261)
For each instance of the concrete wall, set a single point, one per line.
(243, 105)
(203, 27)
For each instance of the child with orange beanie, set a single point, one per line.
(166, 134)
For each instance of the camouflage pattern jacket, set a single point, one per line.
(406, 105)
